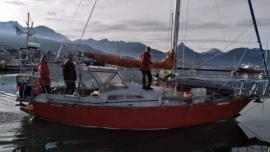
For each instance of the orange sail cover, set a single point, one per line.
(166, 63)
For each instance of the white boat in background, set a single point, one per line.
(248, 68)
(264, 74)
(26, 58)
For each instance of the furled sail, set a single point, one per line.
(166, 63)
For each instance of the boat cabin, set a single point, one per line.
(106, 78)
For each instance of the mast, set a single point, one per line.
(258, 37)
(266, 51)
(28, 30)
(176, 26)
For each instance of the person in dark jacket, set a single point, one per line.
(70, 76)
(44, 73)
(145, 63)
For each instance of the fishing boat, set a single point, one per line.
(25, 58)
(105, 100)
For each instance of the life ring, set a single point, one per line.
(186, 94)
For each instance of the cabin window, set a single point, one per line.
(134, 97)
(116, 97)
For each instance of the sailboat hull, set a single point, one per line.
(138, 118)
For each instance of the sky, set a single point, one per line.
(204, 24)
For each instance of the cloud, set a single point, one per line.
(214, 41)
(128, 25)
(15, 2)
(148, 21)
(51, 13)
(260, 22)
(42, 0)
(206, 25)
(55, 19)
(263, 22)
(243, 23)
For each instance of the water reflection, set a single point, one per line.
(254, 76)
(40, 135)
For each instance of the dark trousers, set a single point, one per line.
(46, 88)
(149, 77)
(24, 90)
(70, 87)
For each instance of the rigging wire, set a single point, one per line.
(73, 18)
(186, 31)
(169, 33)
(58, 53)
(198, 65)
(86, 25)
(235, 68)
(221, 24)
(15, 42)
(226, 46)
(185, 34)
(77, 50)
(59, 50)
(224, 49)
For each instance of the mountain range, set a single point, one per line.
(51, 40)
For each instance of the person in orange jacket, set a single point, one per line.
(145, 63)
(44, 73)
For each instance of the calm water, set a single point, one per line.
(20, 132)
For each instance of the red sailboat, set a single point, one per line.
(106, 101)
(112, 103)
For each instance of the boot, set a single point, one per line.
(144, 87)
(149, 88)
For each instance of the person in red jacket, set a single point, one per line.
(44, 73)
(145, 63)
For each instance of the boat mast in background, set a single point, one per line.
(28, 28)
(258, 37)
(176, 27)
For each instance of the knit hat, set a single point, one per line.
(148, 48)
(69, 55)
